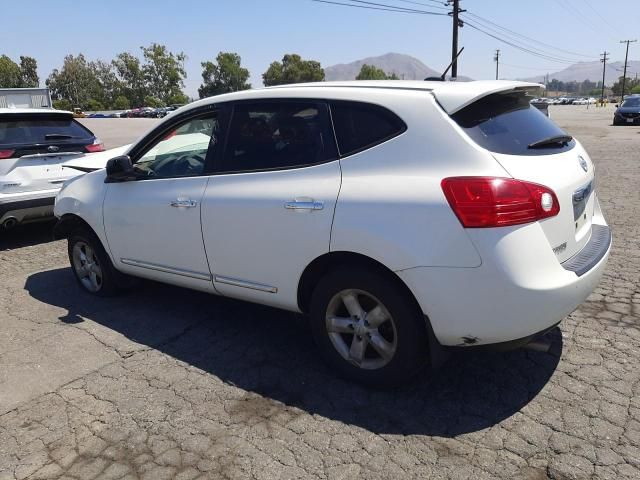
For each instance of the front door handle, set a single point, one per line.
(183, 203)
(308, 205)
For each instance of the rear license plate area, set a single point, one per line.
(580, 200)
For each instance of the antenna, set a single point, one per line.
(444, 74)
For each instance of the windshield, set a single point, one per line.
(507, 123)
(631, 102)
(38, 129)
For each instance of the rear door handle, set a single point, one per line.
(307, 205)
(183, 203)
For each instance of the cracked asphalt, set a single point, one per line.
(168, 383)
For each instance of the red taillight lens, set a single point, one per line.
(498, 202)
(6, 154)
(96, 146)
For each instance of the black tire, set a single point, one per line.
(108, 284)
(409, 327)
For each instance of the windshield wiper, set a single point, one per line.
(555, 140)
(50, 136)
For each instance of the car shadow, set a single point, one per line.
(27, 235)
(270, 352)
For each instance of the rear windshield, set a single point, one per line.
(19, 130)
(507, 123)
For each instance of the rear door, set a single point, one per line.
(34, 147)
(533, 148)
(268, 209)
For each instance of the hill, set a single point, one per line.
(591, 71)
(404, 66)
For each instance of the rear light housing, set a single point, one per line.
(483, 202)
(6, 154)
(96, 146)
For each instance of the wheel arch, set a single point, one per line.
(323, 264)
(68, 223)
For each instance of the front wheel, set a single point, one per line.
(368, 328)
(91, 264)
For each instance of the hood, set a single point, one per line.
(96, 161)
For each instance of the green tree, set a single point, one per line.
(636, 89)
(371, 72)
(10, 75)
(108, 86)
(129, 73)
(163, 71)
(629, 85)
(150, 101)
(76, 81)
(121, 103)
(178, 99)
(62, 104)
(293, 69)
(226, 75)
(94, 105)
(29, 72)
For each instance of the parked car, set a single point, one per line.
(401, 217)
(629, 112)
(34, 146)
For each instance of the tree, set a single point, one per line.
(150, 101)
(121, 103)
(178, 99)
(163, 71)
(108, 86)
(629, 85)
(293, 69)
(636, 89)
(76, 81)
(371, 72)
(226, 75)
(29, 72)
(10, 75)
(94, 105)
(62, 104)
(131, 78)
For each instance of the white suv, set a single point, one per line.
(400, 216)
(34, 146)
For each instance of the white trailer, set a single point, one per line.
(25, 98)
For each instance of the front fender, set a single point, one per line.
(83, 198)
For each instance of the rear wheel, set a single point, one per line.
(91, 264)
(368, 328)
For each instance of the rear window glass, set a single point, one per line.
(360, 126)
(18, 130)
(507, 123)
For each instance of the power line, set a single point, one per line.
(519, 47)
(391, 9)
(514, 33)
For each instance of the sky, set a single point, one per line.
(262, 31)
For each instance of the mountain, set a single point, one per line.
(591, 71)
(404, 66)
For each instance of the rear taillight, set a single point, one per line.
(6, 154)
(96, 146)
(498, 202)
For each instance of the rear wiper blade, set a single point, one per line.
(555, 140)
(49, 136)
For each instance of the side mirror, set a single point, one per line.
(617, 106)
(120, 169)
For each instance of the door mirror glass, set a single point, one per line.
(120, 169)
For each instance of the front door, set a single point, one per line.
(268, 209)
(153, 223)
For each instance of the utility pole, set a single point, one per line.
(496, 58)
(457, 23)
(624, 75)
(604, 69)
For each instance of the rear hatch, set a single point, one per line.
(531, 147)
(35, 145)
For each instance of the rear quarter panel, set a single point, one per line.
(391, 206)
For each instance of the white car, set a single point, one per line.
(35, 144)
(402, 217)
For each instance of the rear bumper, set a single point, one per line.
(29, 206)
(520, 288)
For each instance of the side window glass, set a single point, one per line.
(182, 151)
(360, 126)
(272, 135)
